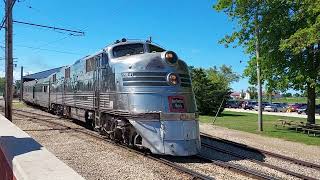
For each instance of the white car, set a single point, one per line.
(275, 107)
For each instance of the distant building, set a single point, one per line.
(236, 95)
(247, 96)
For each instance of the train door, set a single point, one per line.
(96, 88)
(33, 92)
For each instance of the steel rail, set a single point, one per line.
(256, 150)
(291, 173)
(182, 169)
(239, 169)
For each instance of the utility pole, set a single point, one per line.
(257, 44)
(9, 59)
(21, 84)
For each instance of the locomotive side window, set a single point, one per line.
(54, 78)
(67, 73)
(45, 88)
(90, 64)
(104, 60)
(153, 48)
(127, 50)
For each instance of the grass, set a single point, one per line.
(292, 100)
(18, 105)
(248, 122)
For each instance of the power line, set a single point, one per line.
(5, 17)
(44, 49)
(80, 33)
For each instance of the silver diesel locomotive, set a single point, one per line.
(134, 92)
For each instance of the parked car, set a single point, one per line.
(304, 109)
(249, 105)
(263, 104)
(295, 107)
(232, 104)
(276, 107)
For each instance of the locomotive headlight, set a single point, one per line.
(173, 79)
(170, 57)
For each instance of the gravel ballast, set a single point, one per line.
(291, 149)
(93, 158)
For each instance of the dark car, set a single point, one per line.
(249, 105)
(232, 104)
(304, 109)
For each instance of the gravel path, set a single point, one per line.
(291, 149)
(92, 158)
(283, 114)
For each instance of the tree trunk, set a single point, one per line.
(311, 104)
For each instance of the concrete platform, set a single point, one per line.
(21, 157)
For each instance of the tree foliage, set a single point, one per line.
(2, 84)
(289, 40)
(211, 86)
(253, 92)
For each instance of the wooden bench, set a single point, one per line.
(311, 131)
(299, 126)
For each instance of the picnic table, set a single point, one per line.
(310, 129)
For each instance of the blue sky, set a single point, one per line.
(190, 28)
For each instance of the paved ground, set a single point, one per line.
(292, 114)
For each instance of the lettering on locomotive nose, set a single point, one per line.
(176, 104)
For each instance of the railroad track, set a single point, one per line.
(48, 119)
(206, 137)
(239, 169)
(236, 168)
(233, 167)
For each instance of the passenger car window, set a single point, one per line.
(153, 48)
(91, 64)
(127, 50)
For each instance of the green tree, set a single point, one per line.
(223, 76)
(211, 87)
(2, 84)
(288, 36)
(253, 92)
(287, 95)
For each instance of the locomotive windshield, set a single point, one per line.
(153, 48)
(128, 49)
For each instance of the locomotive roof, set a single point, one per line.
(42, 74)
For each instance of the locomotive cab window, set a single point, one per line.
(128, 49)
(67, 73)
(153, 48)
